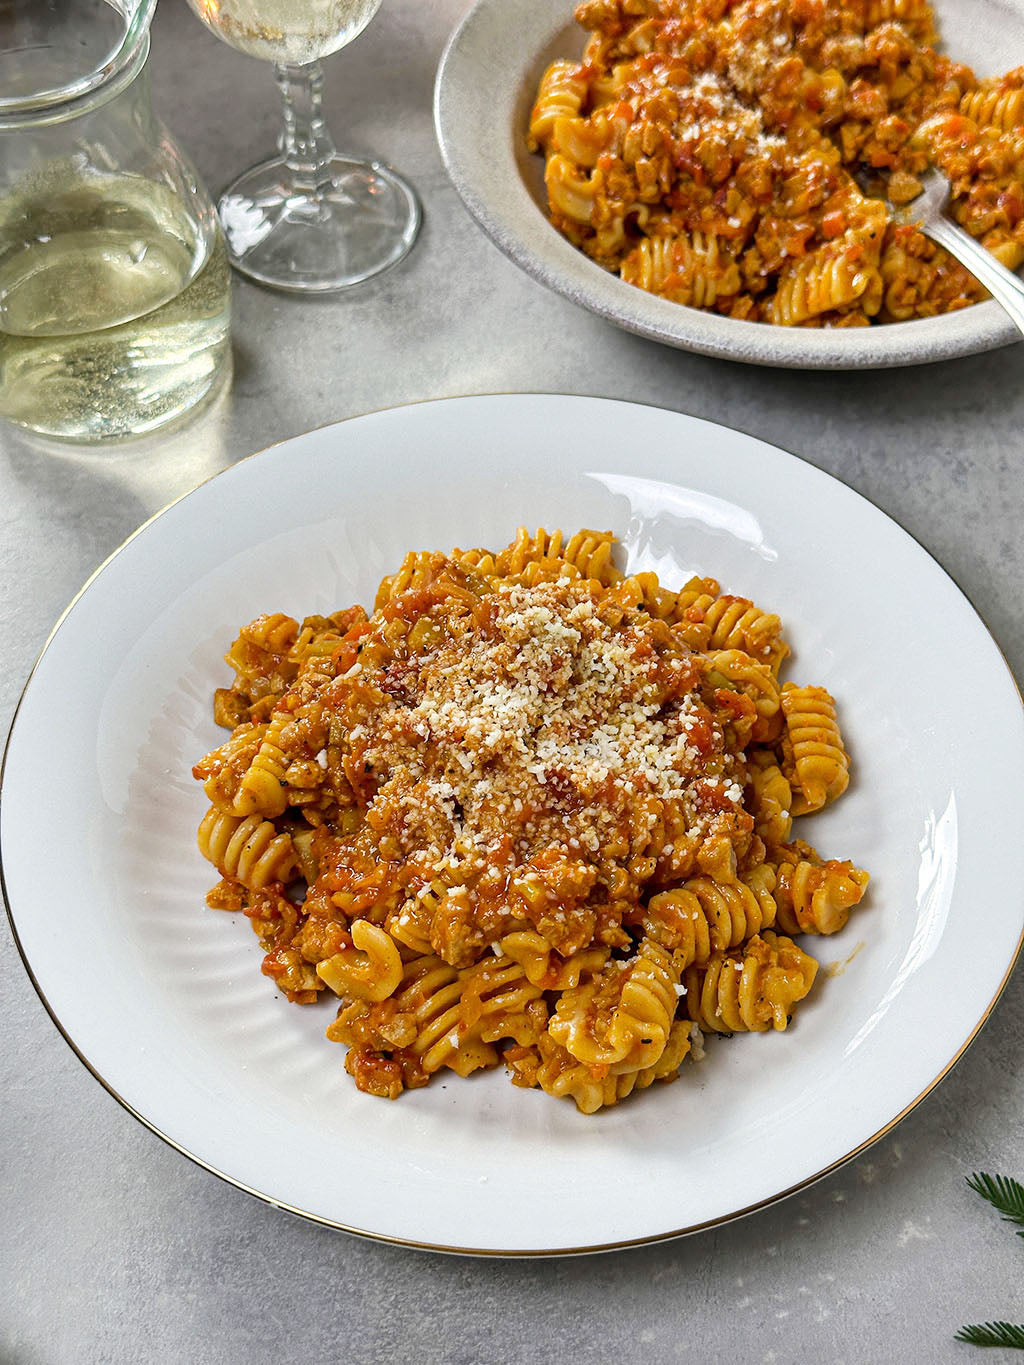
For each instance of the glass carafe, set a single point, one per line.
(114, 282)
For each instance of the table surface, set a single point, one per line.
(115, 1248)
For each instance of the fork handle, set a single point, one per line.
(1004, 286)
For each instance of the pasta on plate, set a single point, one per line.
(733, 155)
(529, 810)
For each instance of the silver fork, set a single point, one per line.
(928, 212)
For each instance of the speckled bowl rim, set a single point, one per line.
(485, 84)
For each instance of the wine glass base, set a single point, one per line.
(362, 223)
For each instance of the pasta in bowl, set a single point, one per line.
(737, 156)
(736, 187)
(529, 810)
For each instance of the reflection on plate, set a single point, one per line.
(163, 999)
(486, 84)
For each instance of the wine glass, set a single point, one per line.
(310, 219)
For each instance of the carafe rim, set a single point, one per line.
(95, 86)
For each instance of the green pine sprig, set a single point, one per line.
(993, 1334)
(1007, 1195)
(1003, 1193)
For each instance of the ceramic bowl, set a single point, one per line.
(486, 85)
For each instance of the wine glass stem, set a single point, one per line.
(307, 144)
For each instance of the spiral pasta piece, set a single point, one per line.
(561, 95)
(444, 1017)
(560, 1075)
(815, 897)
(740, 670)
(697, 270)
(914, 15)
(591, 553)
(620, 1017)
(817, 761)
(262, 643)
(585, 140)
(587, 554)
(750, 990)
(247, 848)
(263, 787)
(736, 624)
(697, 592)
(829, 279)
(702, 918)
(994, 106)
(428, 989)
(220, 769)
(688, 613)
(416, 570)
(571, 190)
(500, 993)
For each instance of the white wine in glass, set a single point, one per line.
(309, 219)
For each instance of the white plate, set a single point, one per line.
(164, 1001)
(486, 85)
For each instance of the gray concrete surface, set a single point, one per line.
(113, 1248)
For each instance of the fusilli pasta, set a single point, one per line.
(734, 155)
(532, 809)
